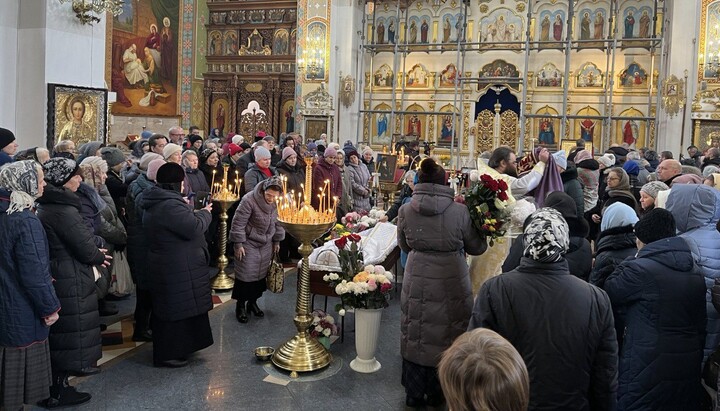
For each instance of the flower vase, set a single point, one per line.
(325, 341)
(367, 331)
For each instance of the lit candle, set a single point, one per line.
(212, 183)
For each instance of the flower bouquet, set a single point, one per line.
(322, 327)
(487, 200)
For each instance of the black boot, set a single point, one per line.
(143, 310)
(241, 312)
(62, 394)
(253, 308)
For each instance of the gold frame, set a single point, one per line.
(673, 95)
(569, 145)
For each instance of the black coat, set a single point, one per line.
(118, 190)
(75, 338)
(613, 247)
(573, 187)
(177, 255)
(295, 176)
(562, 327)
(137, 253)
(405, 193)
(579, 256)
(711, 162)
(661, 296)
(195, 183)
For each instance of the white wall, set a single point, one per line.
(8, 62)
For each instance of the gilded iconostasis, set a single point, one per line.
(468, 76)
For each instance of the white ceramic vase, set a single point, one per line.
(367, 332)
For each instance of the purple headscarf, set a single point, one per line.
(549, 182)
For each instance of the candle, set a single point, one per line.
(212, 183)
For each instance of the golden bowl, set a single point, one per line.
(264, 353)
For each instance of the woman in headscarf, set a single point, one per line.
(28, 304)
(618, 190)
(436, 296)
(178, 260)
(294, 174)
(256, 234)
(75, 343)
(209, 162)
(616, 241)
(538, 301)
(648, 194)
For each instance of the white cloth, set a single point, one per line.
(376, 244)
(133, 68)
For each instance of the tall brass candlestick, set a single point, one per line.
(222, 280)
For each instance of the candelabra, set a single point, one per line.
(86, 10)
(224, 194)
(303, 353)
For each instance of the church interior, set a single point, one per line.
(460, 77)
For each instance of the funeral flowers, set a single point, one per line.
(323, 324)
(487, 200)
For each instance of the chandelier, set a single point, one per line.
(87, 10)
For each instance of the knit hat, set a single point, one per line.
(617, 215)
(193, 138)
(710, 170)
(330, 152)
(273, 182)
(563, 203)
(546, 237)
(95, 161)
(237, 139)
(147, 158)
(311, 146)
(170, 173)
(6, 137)
(269, 139)
(234, 149)
(368, 150)
(59, 170)
(113, 156)
(260, 135)
(560, 159)
(245, 146)
(652, 188)
(353, 153)
(655, 225)
(170, 149)
(607, 159)
(261, 153)
(431, 172)
(153, 168)
(631, 167)
(21, 179)
(287, 152)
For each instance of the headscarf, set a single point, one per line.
(137, 150)
(716, 180)
(618, 215)
(624, 183)
(546, 237)
(21, 179)
(550, 181)
(582, 155)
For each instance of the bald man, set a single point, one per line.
(668, 170)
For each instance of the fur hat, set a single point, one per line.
(652, 188)
(655, 225)
(234, 149)
(6, 137)
(287, 152)
(59, 170)
(153, 168)
(262, 153)
(330, 152)
(431, 172)
(170, 149)
(147, 158)
(113, 156)
(170, 173)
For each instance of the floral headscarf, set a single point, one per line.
(546, 237)
(21, 179)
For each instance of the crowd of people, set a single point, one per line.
(603, 301)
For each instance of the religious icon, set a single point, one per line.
(547, 132)
(391, 32)
(424, 27)
(545, 29)
(281, 42)
(386, 166)
(630, 132)
(380, 33)
(417, 77)
(446, 132)
(76, 113)
(412, 33)
(289, 120)
(549, 76)
(587, 128)
(589, 76)
(231, 43)
(448, 76)
(220, 119)
(382, 126)
(558, 28)
(585, 27)
(446, 30)
(414, 126)
(383, 77)
(645, 25)
(633, 76)
(629, 25)
(599, 26)
(215, 43)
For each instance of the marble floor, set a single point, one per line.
(227, 376)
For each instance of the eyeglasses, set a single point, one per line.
(612, 178)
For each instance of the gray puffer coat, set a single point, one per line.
(255, 226)
(360, 186)
(436, 296)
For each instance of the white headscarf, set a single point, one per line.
(21, 179)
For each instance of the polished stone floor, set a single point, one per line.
(227, 376)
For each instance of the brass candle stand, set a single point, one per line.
(224, 194)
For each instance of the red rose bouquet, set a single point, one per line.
(487, 199)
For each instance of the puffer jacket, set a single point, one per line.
(75, 341)
(360, 177)
(295, 176)
(573, 187)
(26, 290)
(92, 204)
(436, 298)
(195, 183)
(325, 171)
(255, 226)
(696, 209)
(562, 327)
(613, 247)
(345, 204)
(178, 257)
(254, 176)
(137, 242)
(659, 296)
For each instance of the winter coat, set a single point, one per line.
(208, 172)
(405, 193)
(137, 252)
(325, 171)
(345, 204)
(75, 341)
(369, 164)
(613, 247)
(118, 190)
(255, 226)
(26, 290)
(254, 176)
(589, 176)
(242, 165)
(696, 209)
(436, 296)
(195, 183)
(562, 327)
(91, 204)
(111, 229)
(710, 162)
(5, 158)
(660, 297)
(573, 187)
(295, 176)
(360, 186)
(579, 256)
(178, 257)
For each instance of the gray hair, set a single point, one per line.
(63, 146)
(633, 155)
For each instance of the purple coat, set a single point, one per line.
(255, 226)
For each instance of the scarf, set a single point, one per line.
(551, 180)
(21, 179)
(546, 237)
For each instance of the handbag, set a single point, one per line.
(276, 276)
(710, 370)
(122, 283)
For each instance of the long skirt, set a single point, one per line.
(420, 380)
(248, 291)
(175, 340)
(25, 375)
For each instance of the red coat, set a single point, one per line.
(325, 171)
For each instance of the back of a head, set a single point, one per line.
(431, 172)
(483, 371)
(498, 155)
